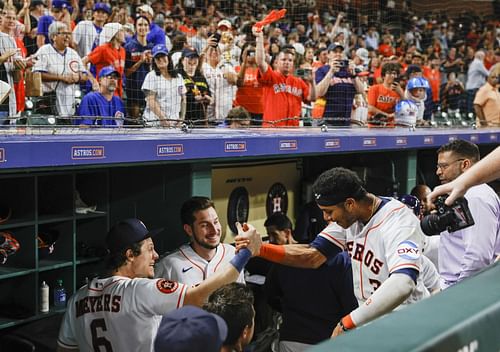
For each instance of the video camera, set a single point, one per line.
(451, 218)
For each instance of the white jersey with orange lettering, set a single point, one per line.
(186, 266)
(390, 241)
(118, 313)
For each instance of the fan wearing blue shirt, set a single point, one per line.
(96, 106)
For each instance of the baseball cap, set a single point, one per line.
(60, 4)
(190, 329)
(108, 71)
(108, 32)
(413, 68)
(146, 8)
(102, 6)
(127, 232)
(159, 49)
(362, 53)
(225, 23)
(334, 46)
(189, 52)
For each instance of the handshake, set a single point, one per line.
(249, 238)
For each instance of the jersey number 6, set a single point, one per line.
(97, 342)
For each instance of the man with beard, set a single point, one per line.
(194, 262)
(103, 103)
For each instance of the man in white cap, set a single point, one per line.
(156, 34)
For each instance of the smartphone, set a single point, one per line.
(216, 36)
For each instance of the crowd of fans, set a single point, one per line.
(167, 62)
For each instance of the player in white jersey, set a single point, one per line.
(205, 254)
(122, 312)
(61, 68)
(382, 236)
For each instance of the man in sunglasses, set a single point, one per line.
(103, 107)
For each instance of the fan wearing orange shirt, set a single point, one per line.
(250, 92)
(110, 52)
(382, 98)
(283, 91)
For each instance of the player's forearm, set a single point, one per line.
(296, 255)
(393, 291)
(198, 295)
(260, 55)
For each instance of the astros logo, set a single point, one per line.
(408, 250)
(166, 286)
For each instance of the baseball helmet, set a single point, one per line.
(406, 112)
(417, 82)
(8, 246)
(411, 202)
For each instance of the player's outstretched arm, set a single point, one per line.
(486, 170)
(196, 296)
(393, 291)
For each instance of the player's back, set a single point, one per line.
(118, 313)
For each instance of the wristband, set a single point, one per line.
(346, 323)
(241, 259)
(272, 252)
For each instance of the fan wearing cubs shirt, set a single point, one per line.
(122, 311)
(283, 91)
(61, 69)
(96, 106)
(205, 255)
(382, 236)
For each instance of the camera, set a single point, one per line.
(344, 63)
(303, 72)
(451, 218)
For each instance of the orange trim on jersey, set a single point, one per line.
(335, 241)
(100, 289)
(223, 254)
(181, 295)
(196, 265)
(407, 264)
(364, 244)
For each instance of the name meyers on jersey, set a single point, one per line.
(369, 259)
(103, 303)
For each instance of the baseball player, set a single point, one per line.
(122, 312)
(194, 262)
(382, 236)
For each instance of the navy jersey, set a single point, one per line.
(312, 300)
(96, 105)
(133, 84)
(339, 96)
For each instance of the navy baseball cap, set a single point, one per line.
(189, 329)
(60, 4)
(127, 232)
(334, 46)
(412, 69)
(108, 71)
(189, 52)
(102, 6)
(159, 49)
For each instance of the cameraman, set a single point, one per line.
(338, 83)
(465, 252)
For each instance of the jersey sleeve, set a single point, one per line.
(158, 296)
(67, 336)
(403, 241)
(150, 82)
(330, 241)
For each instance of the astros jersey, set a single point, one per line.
(390, 241)
(186, 266)
(284, 95)
(118, 313)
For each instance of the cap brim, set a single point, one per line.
(153, 233)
